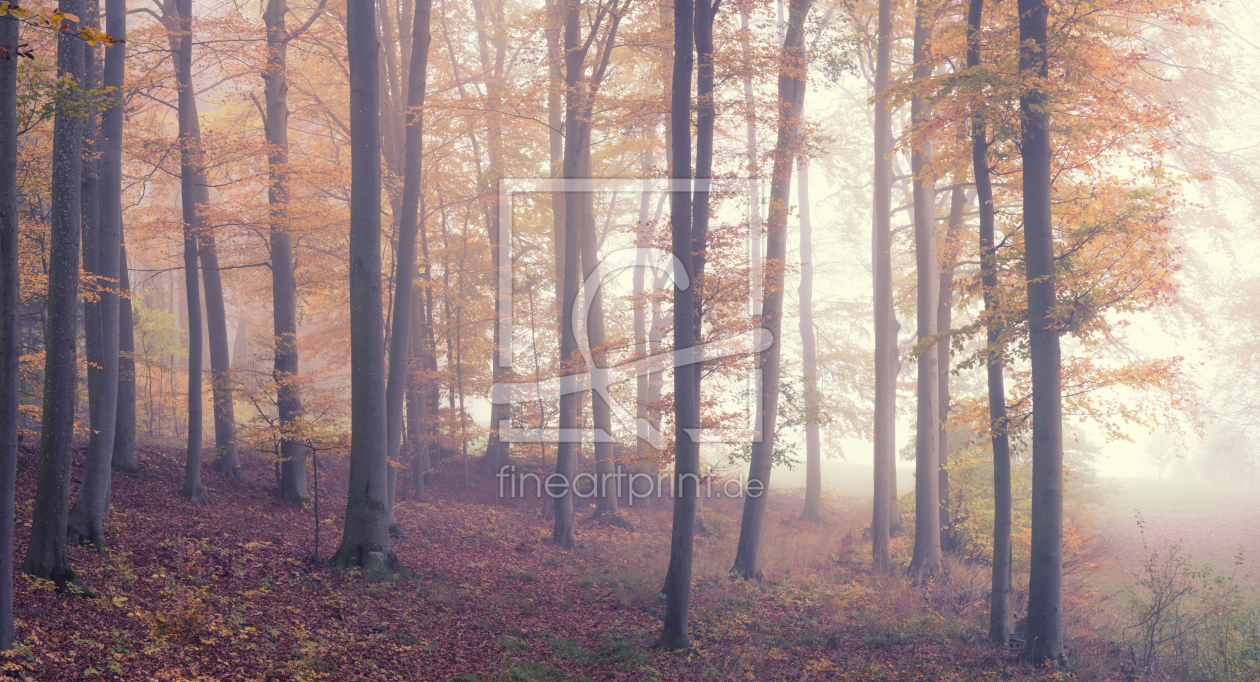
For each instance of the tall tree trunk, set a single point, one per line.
(365, 539)
(227, 460)
(400, 349)
(642, 388)
(601, 412)
(1000, 598)
(685, 487)
(87, 517)
(419, 425)
(567, 450)
(944, 321)
(89, 211)
(46, 552)
(124, 461)
(555, 135)
(791, 94)
(293, 454)
(190, 160)
(885, 431)
(706, 113)
(497, 451)
(809, 348)
(1045, 581)
(10, 306)
(927, 520)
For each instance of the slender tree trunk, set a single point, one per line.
(365, 540)
(685, 487)
(190, 160)
(87, 517)
(944, 321)
(1000, 598)
(497, 450)
(293, 453)
(89, 211)
(927, 521)
(567, 450)
(1045, 582)
(400, 349)
(125, 424)
(418, 394)
(10, 331)
(46, 552)
(791, 94)
(227, 460)
(706, 114)
(601, 413)
(555, 135)
(642, 388)
(809, 349)
(885, 432)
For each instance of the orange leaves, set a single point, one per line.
(54, 19)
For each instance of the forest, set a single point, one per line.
(525, 340)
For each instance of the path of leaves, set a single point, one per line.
(230, 592)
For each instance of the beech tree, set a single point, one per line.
(46, 552)
(10, 305)
(189, 160)
(103, 195)
(283, 284)
(1045, 582)
(579, 103)
(124, 460)
(1000, 597)
(812, 510)
(927, 534)
(674, 630)
(885, 320)
(365, 538)
(791, 94)
(399, 348)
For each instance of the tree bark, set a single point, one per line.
(642, 388)
(10, 306)
(1000, 597)
(1045, 582)
(555, 136)
(927, 521)
(601, 412)
(87, 517)
(685, 488)
(293, 453)
(809, 348)
(413, 155)
(189, 161)
(227, 460)
(567, 450)
(791, 93)
(89, 211)
(46, 551)
(365, 539)
(885, 455)
(944, 321)
(125, 425)
(497, 451)
(706, 114)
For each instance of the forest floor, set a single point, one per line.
(233, 592)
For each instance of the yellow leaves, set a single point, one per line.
(118, 601)
(57, 20)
